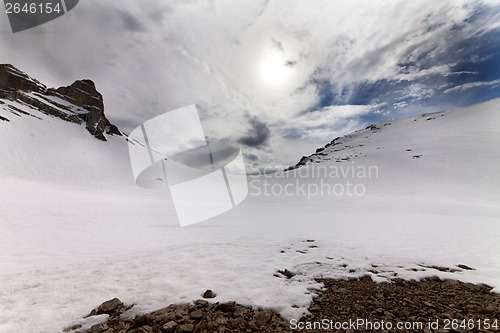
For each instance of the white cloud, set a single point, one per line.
(151, 57)
(470, 85)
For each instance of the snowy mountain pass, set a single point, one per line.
(77, 231)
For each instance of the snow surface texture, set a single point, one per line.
(75, 230)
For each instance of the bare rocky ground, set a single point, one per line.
(356, 305)
(427, 306)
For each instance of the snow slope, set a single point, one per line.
(75, 230)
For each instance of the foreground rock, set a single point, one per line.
(199, 317)
(429, 306)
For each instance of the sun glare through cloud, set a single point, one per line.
(274, 70)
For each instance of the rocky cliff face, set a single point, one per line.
(79, 102)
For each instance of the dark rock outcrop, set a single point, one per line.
(83, 93)
(12, 79)
(84, 103)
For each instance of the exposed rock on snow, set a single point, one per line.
(209, 294)
(199, 317)
(78, 103)
(83, 93)
(110, 306)
(12, 79)
(431, 303)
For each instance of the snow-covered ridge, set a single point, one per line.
(349, 147)
(456, 147)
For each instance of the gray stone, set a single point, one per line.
(209, 294)
(196, 314)
(201, 303)
(169, 327)
(99, 328)
(110, 306)
(262, 318)
(186, 328)
(227, 306)
(462, 266)
(144, 329)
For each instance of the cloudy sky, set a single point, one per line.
(279, 78)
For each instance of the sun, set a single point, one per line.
(273, 69)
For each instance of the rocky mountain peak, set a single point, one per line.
(81, 93)
(79, 102)
(12, 79)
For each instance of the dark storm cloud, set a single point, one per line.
(131, 23)
(251, 157)
(462, 69)
(257, 135)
